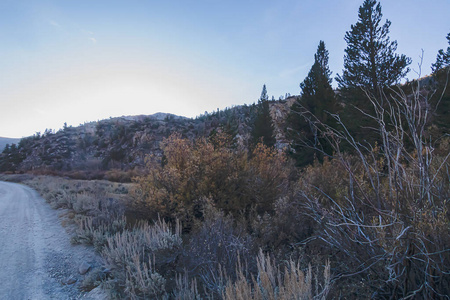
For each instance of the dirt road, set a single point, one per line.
(36, 257)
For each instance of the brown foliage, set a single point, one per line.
(214, 169)
(383, 210)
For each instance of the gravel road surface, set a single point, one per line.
(36, 257)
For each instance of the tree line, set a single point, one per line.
(371, 68)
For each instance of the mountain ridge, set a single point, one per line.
(95, 148)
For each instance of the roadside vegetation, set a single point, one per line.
(346, 197)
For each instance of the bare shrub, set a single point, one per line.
(274, 284)
(279, 232)
(116, 175)
(134, 255)
(215, 248)
(96, 207)
(142, 281)
(96, 233)
(185, 289)
(384, 208)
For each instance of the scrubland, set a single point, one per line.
(212, 221)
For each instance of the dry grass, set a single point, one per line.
(271, 283)
(97, 235)
(185, 289)
(131, 255)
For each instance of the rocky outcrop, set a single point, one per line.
(279, 111)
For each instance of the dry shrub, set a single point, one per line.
(215, 248)
(281, 231)
(83, 202)
(383, 210)
(117, 175)
(188, 172)
(268, 177)
(142, 281)
(96, 207)
(211, 168)
(133, 257)
(92, 232)
(271, 283)
(185, 289)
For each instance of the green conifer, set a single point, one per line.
(442, 59)
(312, 109)
(263, 126)
(370, 60)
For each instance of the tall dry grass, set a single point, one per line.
(275, 283)
(132, 256)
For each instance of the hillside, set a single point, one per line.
(92, 149)
(216, 197)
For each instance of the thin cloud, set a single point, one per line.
(93, 40)
(54, 23)
(87, 32)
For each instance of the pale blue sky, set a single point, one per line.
(77, 61)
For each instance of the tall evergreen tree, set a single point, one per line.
(441, 97)
(442, 59)
(264, 96)
(313, 108)
(317, 94)
(370, 60)
(263, 126)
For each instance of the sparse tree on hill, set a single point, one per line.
(264, 96)
(7, 149)
(263, 126)
(442, 59)
(370, 60)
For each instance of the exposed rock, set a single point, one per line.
(96, 294)
(70, 280)
(279, 111)
(84, 268)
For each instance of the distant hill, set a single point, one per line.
(122, 143)
(4, 141)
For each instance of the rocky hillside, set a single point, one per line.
(93, 149)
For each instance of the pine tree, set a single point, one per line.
(314, 106)
(370, 61)
(442, 59)
(317, 93)
(263, 126)
(264, 96)
(441, 97)
(6, 150)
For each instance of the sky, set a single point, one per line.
(77, 61)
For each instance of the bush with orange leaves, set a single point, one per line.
(215, 169)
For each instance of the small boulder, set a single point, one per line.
(84, 268)
(96, 294)
(70, 280)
